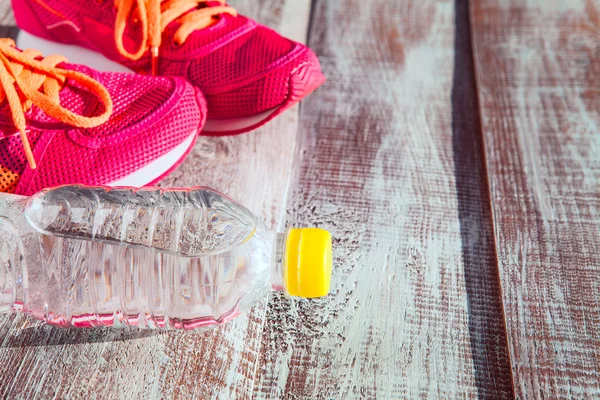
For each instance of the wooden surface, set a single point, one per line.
(454, 154)
(391, 165)
(538, 70)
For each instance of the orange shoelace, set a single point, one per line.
(155, 15)
(28, 72)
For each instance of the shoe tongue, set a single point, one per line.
(73, 97)
(207, 4)
(198, 38)
(205, 36)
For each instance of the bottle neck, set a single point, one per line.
(277, 269)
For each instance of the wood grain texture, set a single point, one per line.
(391, 163)
(538, 71)
(46, 362)
(7, 21)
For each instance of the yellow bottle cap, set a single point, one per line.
(307, 268)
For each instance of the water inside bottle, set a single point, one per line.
(158, 259)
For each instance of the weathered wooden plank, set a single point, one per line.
(391, 163)
(537, 66)
(255, 168)
(7, 21)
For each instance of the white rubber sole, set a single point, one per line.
(236, 124)
(80, 55)
(157, 168)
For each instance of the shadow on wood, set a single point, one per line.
(7, 31)
(487, 334)
(52, 336)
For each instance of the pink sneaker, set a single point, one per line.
(62, 123)
(247, 72)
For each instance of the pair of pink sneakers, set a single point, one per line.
(200, 67)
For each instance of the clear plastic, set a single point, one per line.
(151, 258)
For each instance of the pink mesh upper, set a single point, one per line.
(244, 57)
(242, 67)
(151, 116)
(12, 158)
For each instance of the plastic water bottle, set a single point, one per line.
(79, 256)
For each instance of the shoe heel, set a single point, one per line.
(29, 20)
(46, 30)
